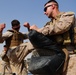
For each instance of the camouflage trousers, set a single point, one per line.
(5, 68)
(16, 56)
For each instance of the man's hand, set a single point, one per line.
(33, 27)
(26, 24)
(2, 26)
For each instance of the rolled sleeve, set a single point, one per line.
(48, 29)
(4, 36)
(25, 35)
(64, 24)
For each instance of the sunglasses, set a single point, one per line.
(46, 8)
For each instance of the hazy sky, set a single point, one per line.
(29, 11)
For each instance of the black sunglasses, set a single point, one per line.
(46, 8)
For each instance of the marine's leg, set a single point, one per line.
(9, 69)
(17, 56)
(20, 69)
(3, 69)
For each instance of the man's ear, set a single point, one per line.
(53, 6)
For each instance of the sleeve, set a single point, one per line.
(5, 35)
(65, 22)
(63, 25)
(25, 35)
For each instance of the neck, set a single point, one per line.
(16, 30)
(55, 13)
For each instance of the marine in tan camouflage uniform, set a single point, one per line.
(16, 48)
(60, 27)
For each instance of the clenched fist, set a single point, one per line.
(2, 26)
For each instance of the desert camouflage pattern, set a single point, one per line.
(16, 55)
(60, 24)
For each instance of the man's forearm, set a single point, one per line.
(1, 39)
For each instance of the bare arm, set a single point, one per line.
(2, 26)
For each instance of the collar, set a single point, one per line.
(58, 16)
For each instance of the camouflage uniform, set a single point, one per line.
(59, 29)
(16, 50)
(5, 64)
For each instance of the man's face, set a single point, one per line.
(48, 10)
(16, 27)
